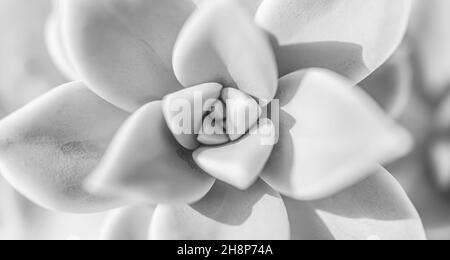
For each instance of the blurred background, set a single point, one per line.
(414, 86)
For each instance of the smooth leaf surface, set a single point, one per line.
(50, 146)
(212, 47)
(352, 37)
(332, 135)
(123, 49)
(225, 213)
(129, 223)
(374, 209)
(145, 163)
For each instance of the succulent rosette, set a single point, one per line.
(306, 165)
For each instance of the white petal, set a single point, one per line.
(50, 146)
(332, 135)
(225, 214)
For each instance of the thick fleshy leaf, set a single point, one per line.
(225, 214)
(375, 209)
(431, 40)
(130, 223)
(184, 110)
(145, 163)
(391, 84)
(350, 37)
(239, 163)
(332, 135)
(221, 43)
(49, 147)
(123, 49)
(242, 112)
(56, 46)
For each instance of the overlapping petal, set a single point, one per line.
(225, 214)
(332, 135)
(221, 43)
(145, 163)
(350, 37)
(123, 49)
(49, 147)
(375, 209)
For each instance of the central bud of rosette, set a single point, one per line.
(225, 127)
(213, 114)
(228, 118)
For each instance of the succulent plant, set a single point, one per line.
(307, 165)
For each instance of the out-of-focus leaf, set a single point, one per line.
(430, 37)
(26, 70)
